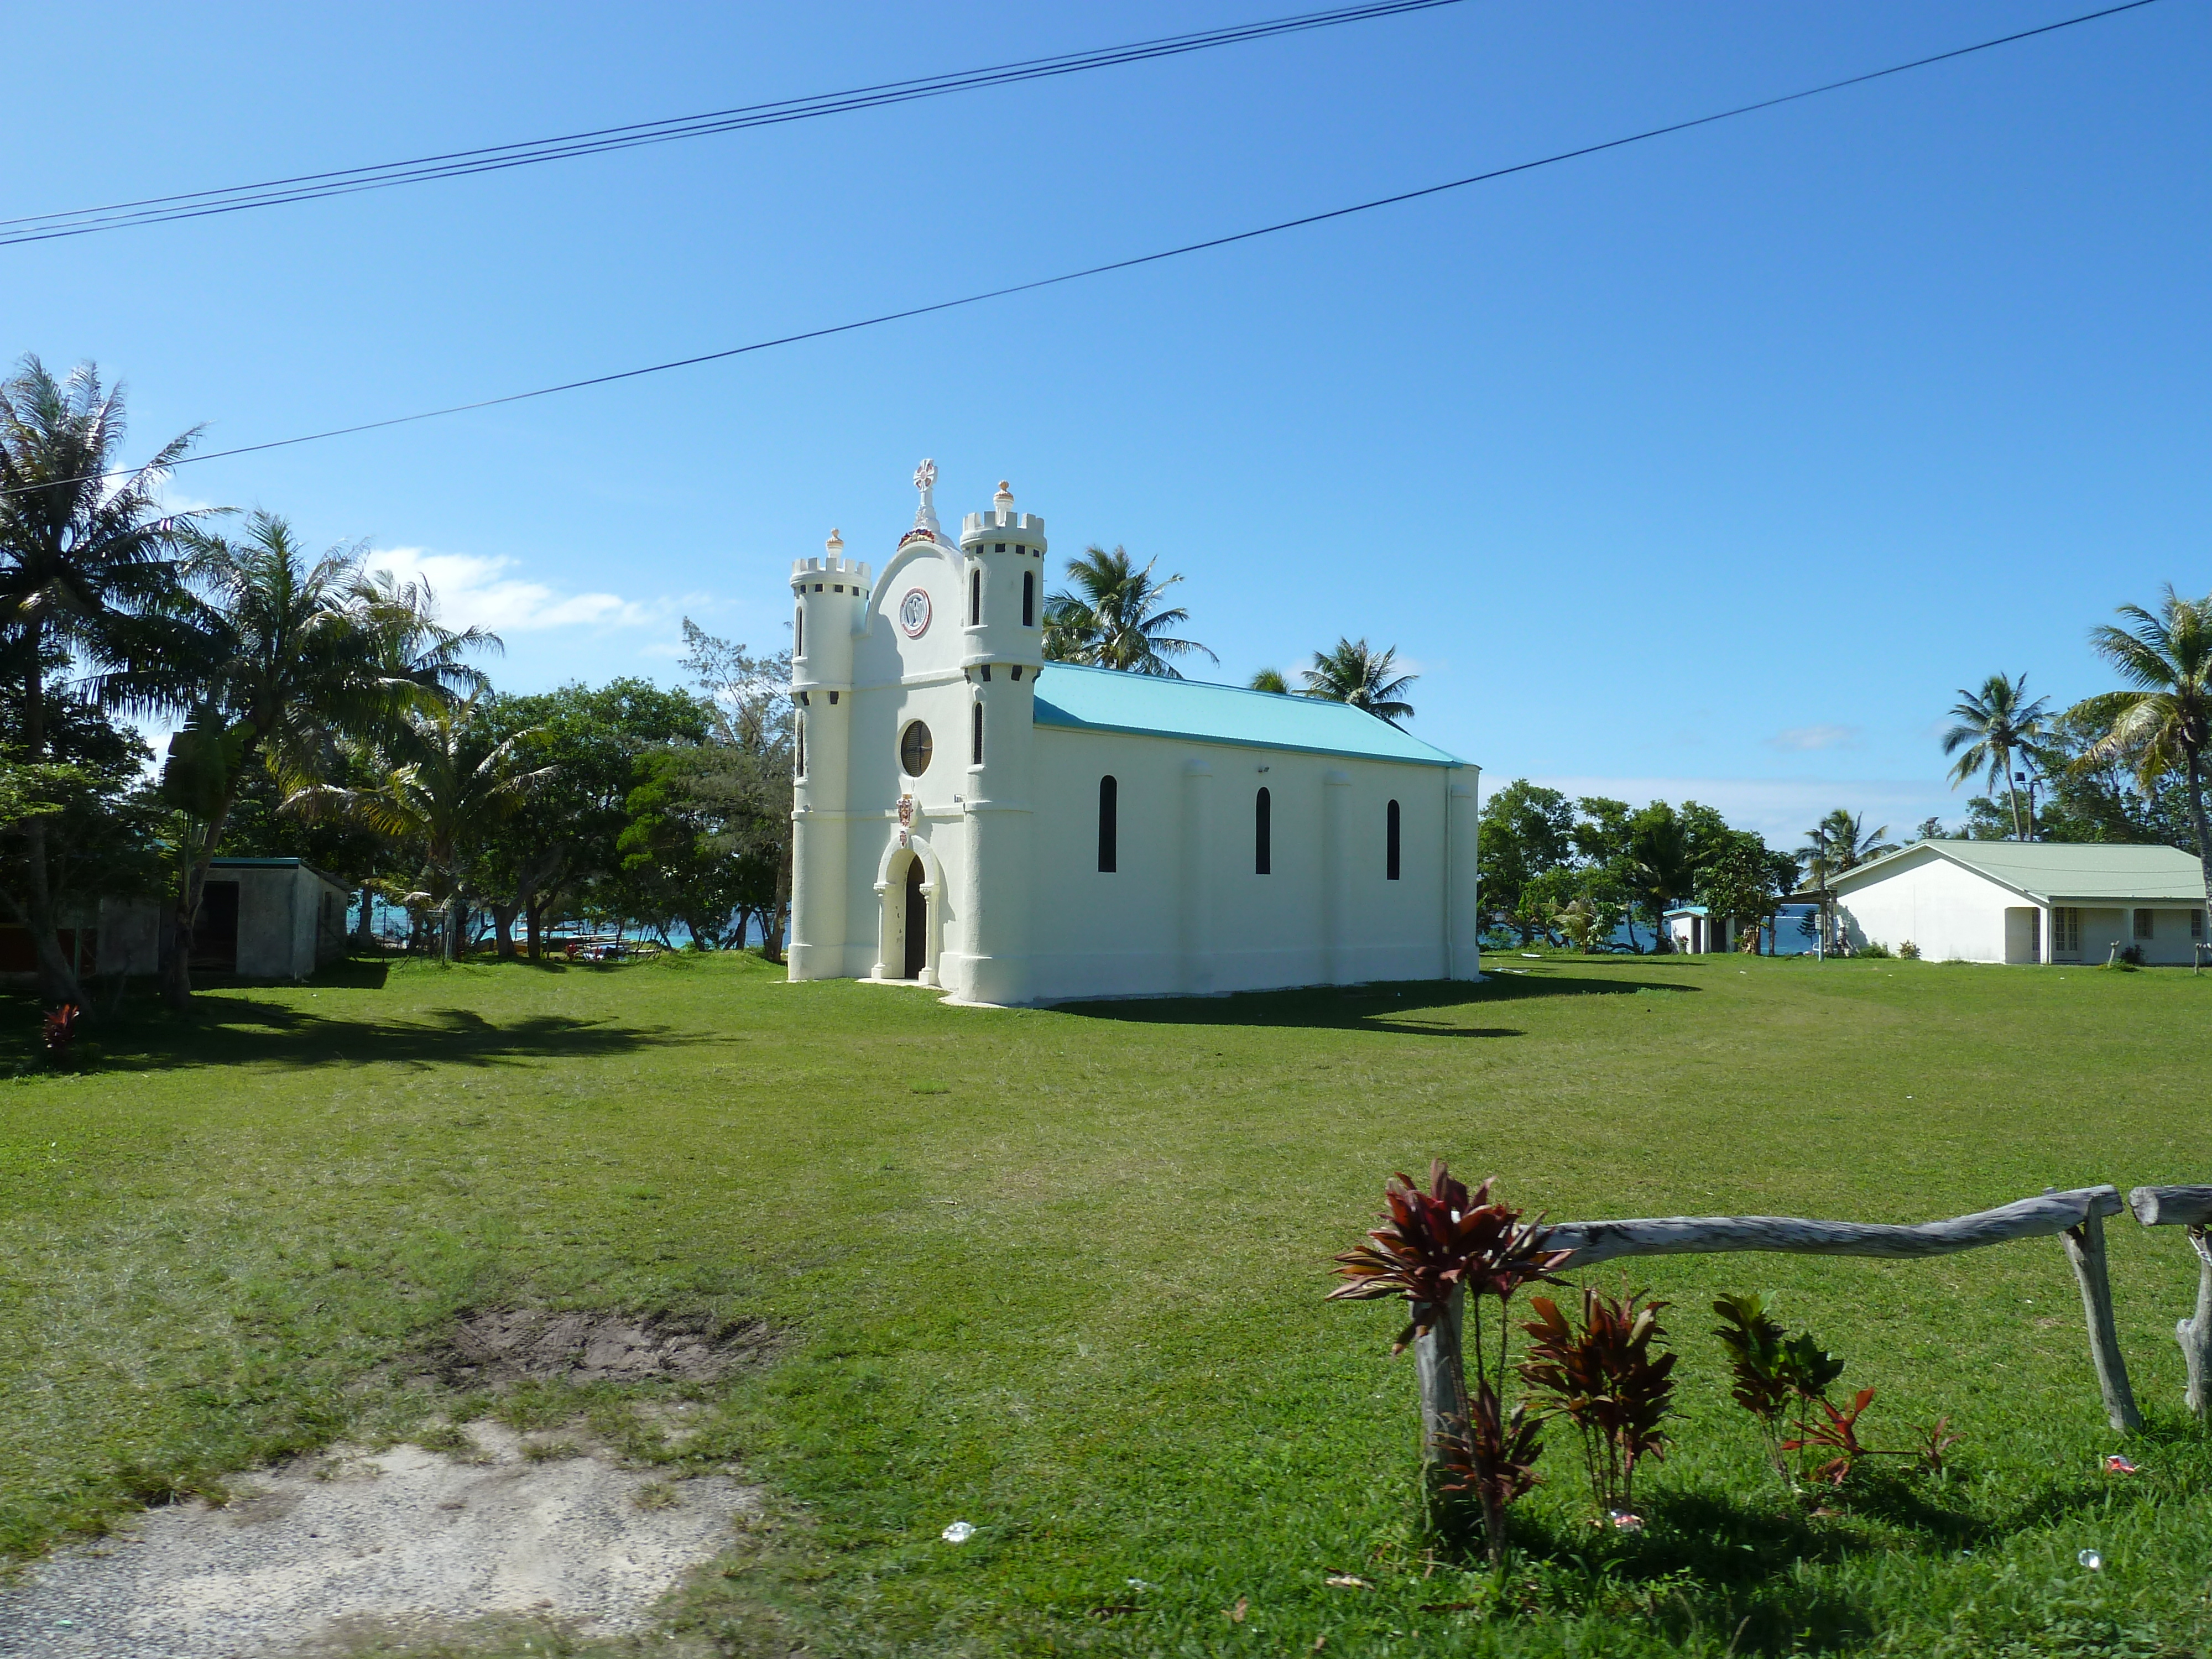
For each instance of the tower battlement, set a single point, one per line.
(1002, 521)
(853, 572)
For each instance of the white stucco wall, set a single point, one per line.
(1951, 913)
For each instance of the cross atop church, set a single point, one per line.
(924, 515)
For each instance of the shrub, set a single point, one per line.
(1603, 1377)
(1443, 1250)
(1874, 948)
(1908, 951)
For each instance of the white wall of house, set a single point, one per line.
(1952, 914)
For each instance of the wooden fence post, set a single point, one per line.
(2085, 1250)
(1441, 1369)
(2189, 1207)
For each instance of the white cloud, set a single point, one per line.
(1780, 809)
(1800, 739)
(477, 592)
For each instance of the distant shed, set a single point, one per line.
(2008, 901)
(270, 919)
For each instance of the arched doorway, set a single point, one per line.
(917, 922)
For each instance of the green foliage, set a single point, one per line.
(1602, 1375)
(1992, 727)
(1874, 950)
(1908, 951)
(1270, 679)
(1113, 617)
(1353, 672)
(1527, 836)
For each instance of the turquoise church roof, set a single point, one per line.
(1106, 700)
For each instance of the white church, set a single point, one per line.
(971, 818)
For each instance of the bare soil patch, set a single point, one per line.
(513, 1344)
(356, 1546)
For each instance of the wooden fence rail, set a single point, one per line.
(2074, 1218)
(2189, 1207)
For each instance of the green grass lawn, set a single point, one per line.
(1058, 1274)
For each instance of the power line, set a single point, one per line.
(1134, 260)
(345, 181)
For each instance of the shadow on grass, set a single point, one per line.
(229, 1030)
(1414, 1008)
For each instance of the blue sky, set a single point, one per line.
(1706, 468)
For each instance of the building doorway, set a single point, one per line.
(215, 933)
(917, 922)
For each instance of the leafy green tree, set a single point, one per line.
(1526, 833)
(287, 659)
(1993, 726)
(83, 559)
(1271, 679)
(1739, 876)
(565, 838)
(1600, 837)
(674, 865)
(439, 783)
(1113, 617)
(1353, 672)
(1660, 867)
(2161, 727)
(740, 785)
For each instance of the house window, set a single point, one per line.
(2142, 924)
(2196, 922)
(1110, 804)
(2065, 932)
(974, 598)
(1263, 834)
(1028, 598)
(914, 749)
(1390, 842)
(977, 744)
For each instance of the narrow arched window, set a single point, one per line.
(1263, 834)
(799, 747)
(974, 598)
(799, 632)
(1390, 843)
(976, 746)
(1110, 827)
(1028, 598)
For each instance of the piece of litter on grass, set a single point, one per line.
(1623, 1521)
(958, 1533)
(1348, 1581)
(1138, 1584)
(2116, 1464)
(2092, 1560)
(1236, 1614)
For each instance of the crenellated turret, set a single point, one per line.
(831, 594)
(832, 598)
(1002, 585)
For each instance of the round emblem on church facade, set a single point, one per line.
(913, 613)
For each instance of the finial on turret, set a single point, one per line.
(1005, 498)
(836, 543)
(924, 516)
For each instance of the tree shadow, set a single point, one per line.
(229, 1030)
(1408, 1008)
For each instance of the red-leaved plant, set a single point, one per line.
(1445, 1250)
(58, 1031)
(1602, 1377)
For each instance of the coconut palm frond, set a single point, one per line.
(1355, 673)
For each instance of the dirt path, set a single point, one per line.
(403, 1537)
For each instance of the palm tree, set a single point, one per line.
(1112, 618)
(1271, 679)
(2164, 725)
(81, 556)
(1994, 724)
(1355, 673)
(440, 784)
(1838, 842)
(287, 659)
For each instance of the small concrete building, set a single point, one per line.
(2008, 901)
(1694, 930)
(269, 919)
(971, 817)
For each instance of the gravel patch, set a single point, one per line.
(402, 1539)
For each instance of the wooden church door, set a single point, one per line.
(917, 922)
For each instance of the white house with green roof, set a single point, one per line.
(2008, 901)
(970, 817)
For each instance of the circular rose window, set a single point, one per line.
(913, 750)
(913, 613)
